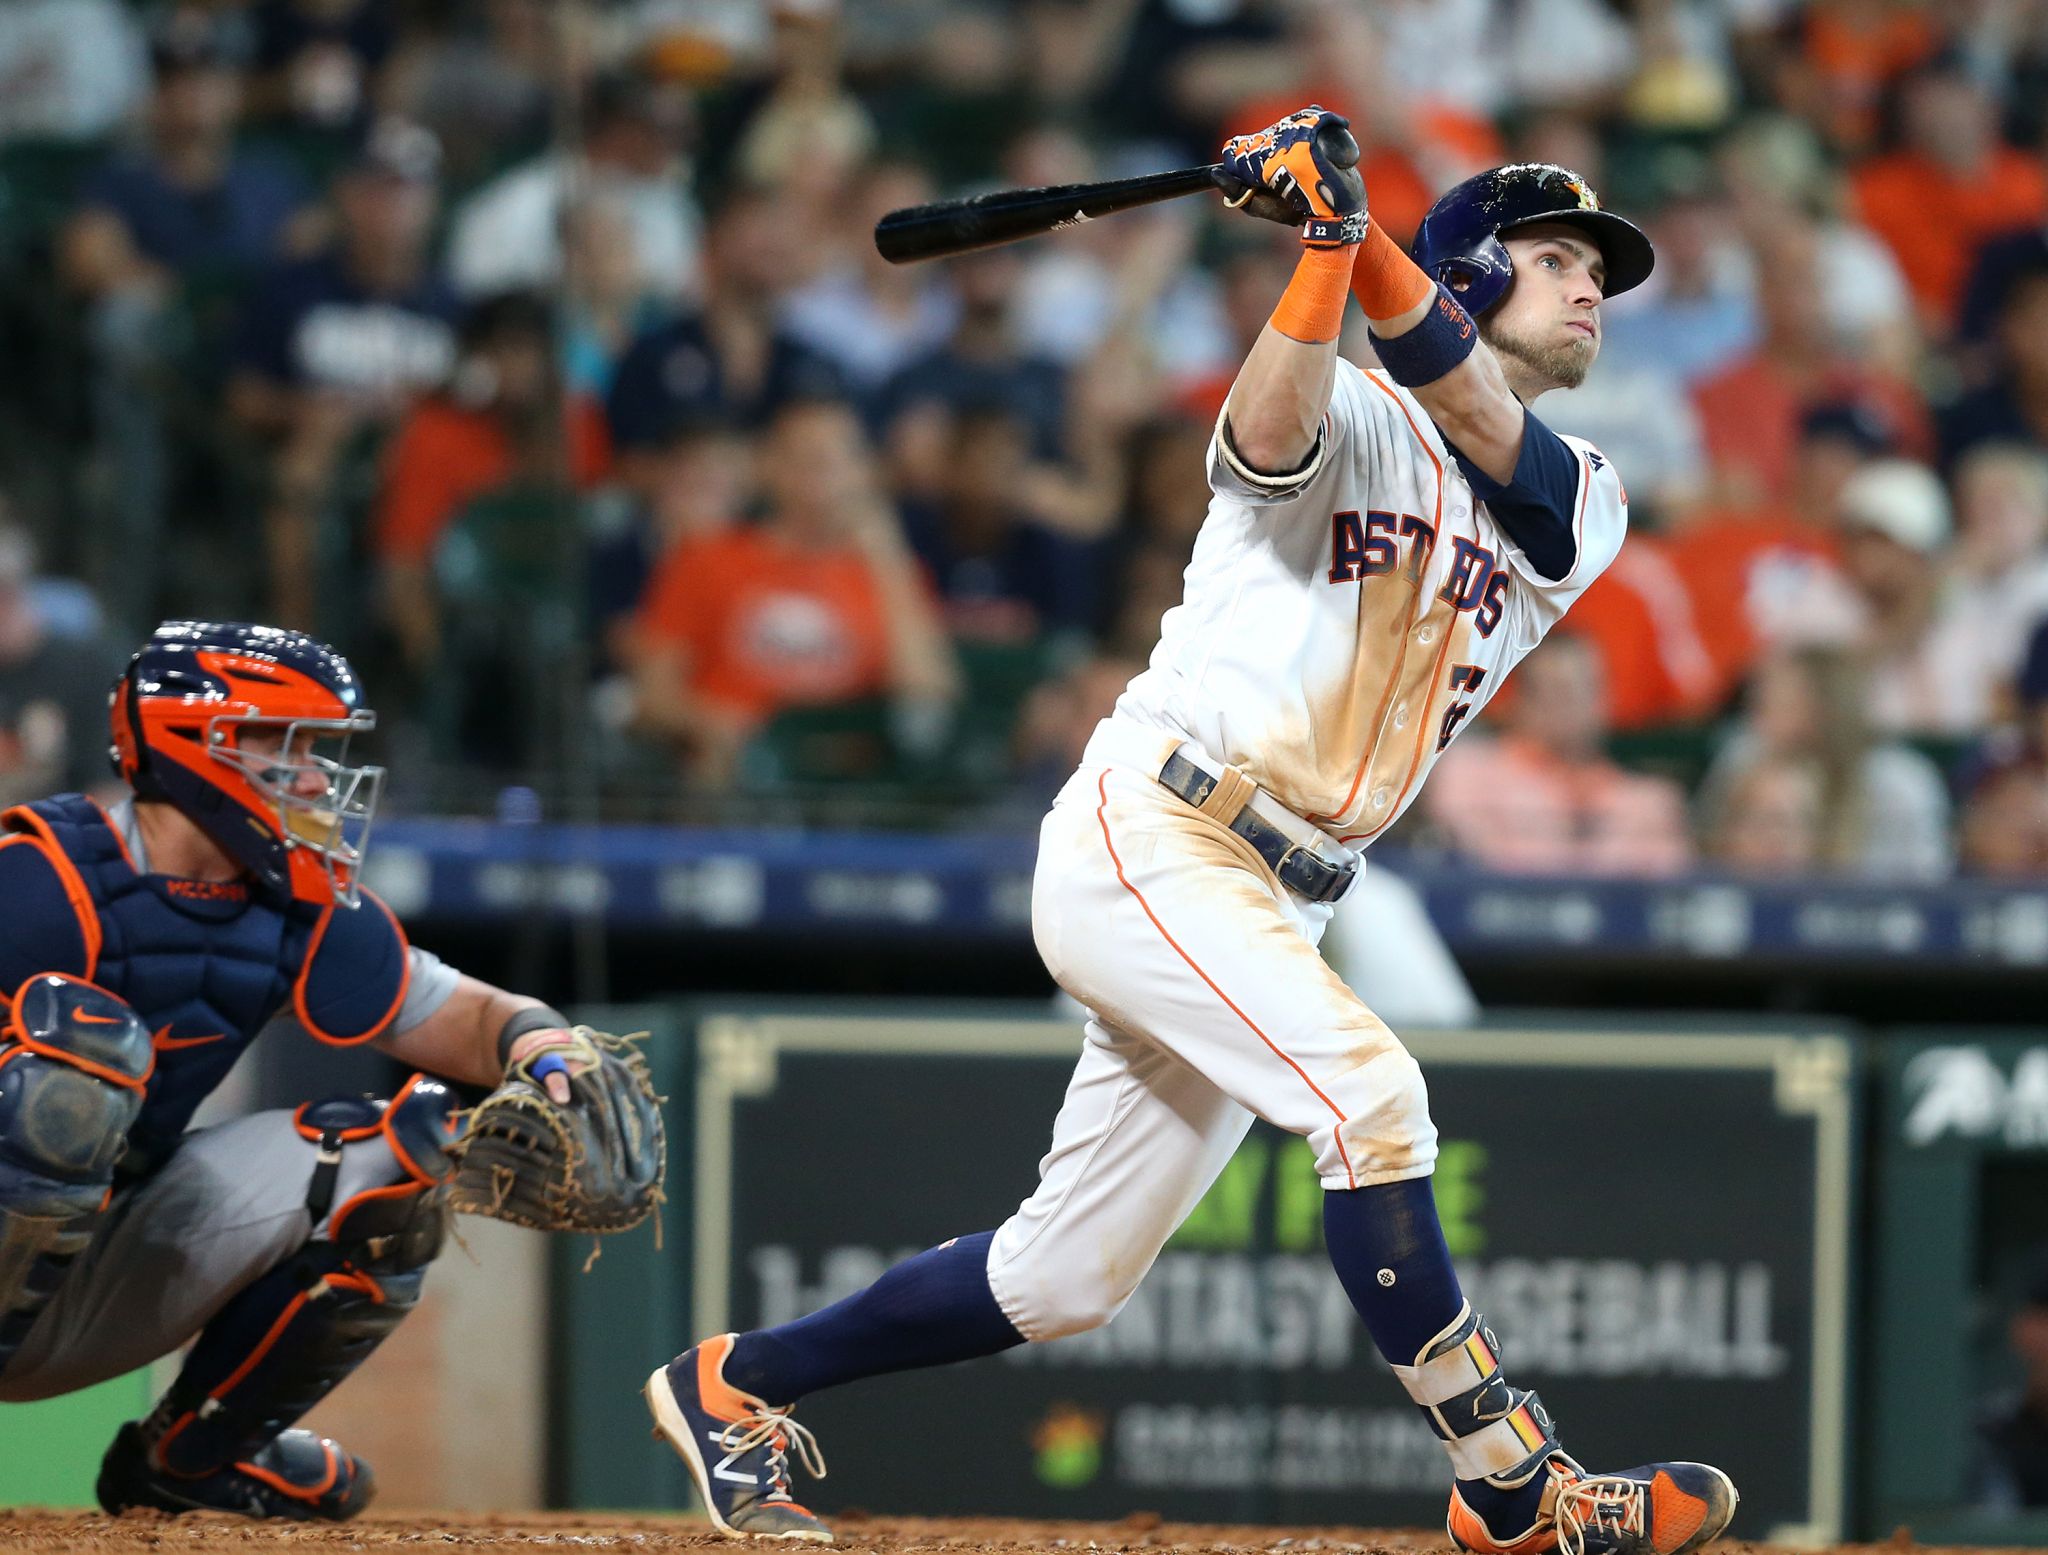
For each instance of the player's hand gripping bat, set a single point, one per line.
(960, 226)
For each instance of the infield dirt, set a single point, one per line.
(34, 1532)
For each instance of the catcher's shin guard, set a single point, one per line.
(286, 1341)
(74, 1063)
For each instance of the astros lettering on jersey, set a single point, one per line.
(1331, 643)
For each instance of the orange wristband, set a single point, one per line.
(1312, 307)
(1386, 282)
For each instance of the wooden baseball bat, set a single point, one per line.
(960, 226)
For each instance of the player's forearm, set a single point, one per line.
(1475, 409)
(1278, 400)
(459, 1041)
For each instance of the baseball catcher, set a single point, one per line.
(145, 946)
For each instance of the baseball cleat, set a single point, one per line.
(735, 1446)
(1658, 1509)
(299, 1476)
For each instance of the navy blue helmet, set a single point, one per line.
(1459, 240)
(245, 729)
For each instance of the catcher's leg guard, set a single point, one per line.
(74, 1062)
(286, 1341)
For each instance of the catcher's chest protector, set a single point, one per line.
(207, 965)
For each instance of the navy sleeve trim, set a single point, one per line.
(1536, 507)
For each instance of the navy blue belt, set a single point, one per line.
(1297, 867)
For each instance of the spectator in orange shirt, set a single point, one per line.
(491, 425)
(1850, 52)
(820, 602)
(1758, 573)
(1952, 185)
(1750, 412)
(1544, 798)
(1655, 664)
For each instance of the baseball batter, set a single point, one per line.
(1381, 549)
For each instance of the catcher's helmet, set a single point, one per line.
(182, 713)
(1459, 240)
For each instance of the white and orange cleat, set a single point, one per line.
(1658, 1509)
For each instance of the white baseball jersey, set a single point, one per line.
(1332, 641)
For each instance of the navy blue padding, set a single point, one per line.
(42, 932)
(355, 975)
(1537, 507)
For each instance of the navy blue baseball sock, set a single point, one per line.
(927, 1311)
(1387, 1247)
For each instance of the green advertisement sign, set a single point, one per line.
(1656, 1225)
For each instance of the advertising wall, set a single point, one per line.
(1656, 1223)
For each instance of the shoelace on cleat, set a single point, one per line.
(1612, 1505)
(775, 1430)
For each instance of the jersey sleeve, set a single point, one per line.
(1228, 478)
(1599, 521)
(355, 974)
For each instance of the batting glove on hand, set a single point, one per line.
(1308, 161)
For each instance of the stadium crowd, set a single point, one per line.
(536, 353)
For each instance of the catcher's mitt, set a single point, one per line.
(594, 1165)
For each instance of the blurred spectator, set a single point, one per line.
(2013, 405)
(1766, 817)
(1655, 665)
(965, 97)
(729, 356)
(1806, 748)
(1250, 274)
(983, 363)
(500, 418)
(1776, 170)
(1765, 573)
(1951, 185)
(802, 133)
(1750, 412)
(1056, 720)
(696, 482)
(162, 227)
(53, 689)
(1167, 501)
(69, 69)
(1001, 575)
(2005, 822)
(1697, 313)
(1896, 524)
(186, 200)
(1845, 54)
(868, 317)
(483, 88)
(508, 235)
(1996, 582)
(317, 61)
(607, 301)
(1543, 796)
(2013, 1439)
(821, 602)
(336, 347)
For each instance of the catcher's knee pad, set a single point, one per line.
(286, 1341)
(74, 1063)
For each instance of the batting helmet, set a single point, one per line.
(1459, 240)
(183, 715)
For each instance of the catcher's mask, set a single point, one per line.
(245, 729)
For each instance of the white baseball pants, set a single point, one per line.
(1209, 1004)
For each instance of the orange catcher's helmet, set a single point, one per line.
(245, 730)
